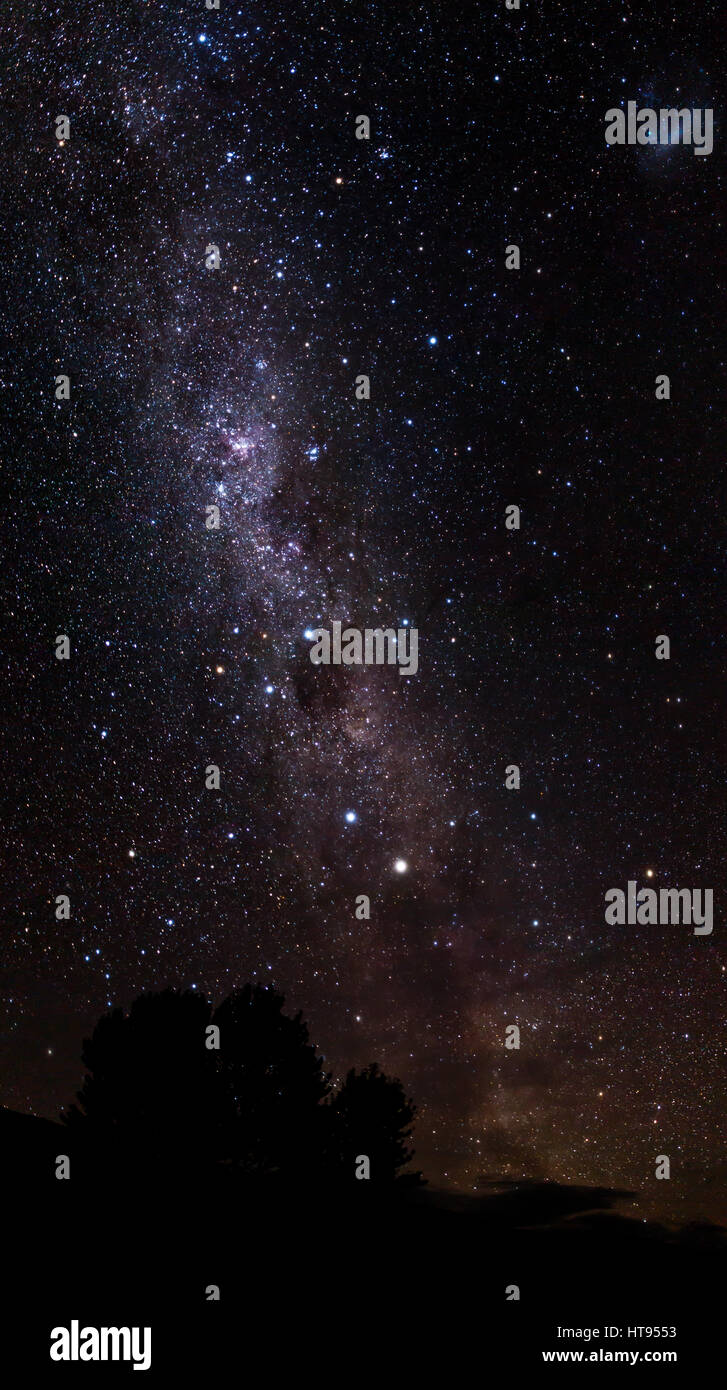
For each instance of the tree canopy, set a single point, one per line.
(174, 1083)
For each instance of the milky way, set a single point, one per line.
(236, 388)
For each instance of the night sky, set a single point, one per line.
(489, 387)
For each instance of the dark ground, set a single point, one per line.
(339, 1287)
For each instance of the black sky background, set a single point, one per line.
(489, 387)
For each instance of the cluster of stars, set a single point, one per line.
(190, 647)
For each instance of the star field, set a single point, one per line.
(235, 388)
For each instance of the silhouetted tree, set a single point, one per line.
(152, 1093)
(371, 1117)
(158, 1098)
(274, 1081)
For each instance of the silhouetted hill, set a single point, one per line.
(28, 1145)
(411, 1281)
(210, 1183)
